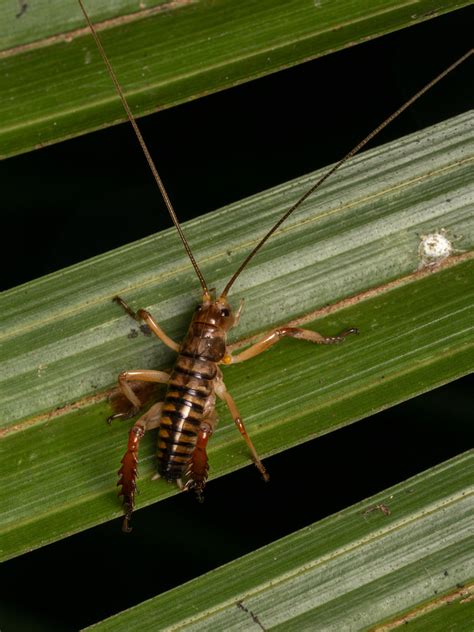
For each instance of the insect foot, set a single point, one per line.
(341, 337)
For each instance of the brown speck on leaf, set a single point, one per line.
(23, 8)
(255, 619)
(379, 507)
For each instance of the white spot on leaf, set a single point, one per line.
(434, 248)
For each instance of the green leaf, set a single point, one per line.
(64, 341)
(324, 577)
(54, 84)
(451, 611)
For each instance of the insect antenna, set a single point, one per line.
(145, 150)
(339, 164)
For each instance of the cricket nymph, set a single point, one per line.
(186, 418)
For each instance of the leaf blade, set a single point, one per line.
(323, 576)
(165, 55)
(415, 335)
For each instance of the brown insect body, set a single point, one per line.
(190, 398)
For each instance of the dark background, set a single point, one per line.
(211, 152)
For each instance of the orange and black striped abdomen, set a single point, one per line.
(188, 399)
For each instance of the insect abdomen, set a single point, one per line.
(187, 400)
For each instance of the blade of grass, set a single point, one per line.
(56, 87)
(64, 341)
(434, 615)
(347, 572)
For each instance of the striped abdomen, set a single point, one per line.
(190, 399)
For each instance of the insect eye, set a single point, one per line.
(225, 312)
(198, 308)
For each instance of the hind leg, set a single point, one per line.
(198, 469)
(128, 472)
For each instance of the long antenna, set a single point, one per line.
(144, 147)
(339, 164)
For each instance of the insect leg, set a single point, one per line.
(140, 375)
(142, 314)
(197, 471)
(128, 471)
(223, 394)
(294, 332)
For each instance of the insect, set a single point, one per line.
(186, 418)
